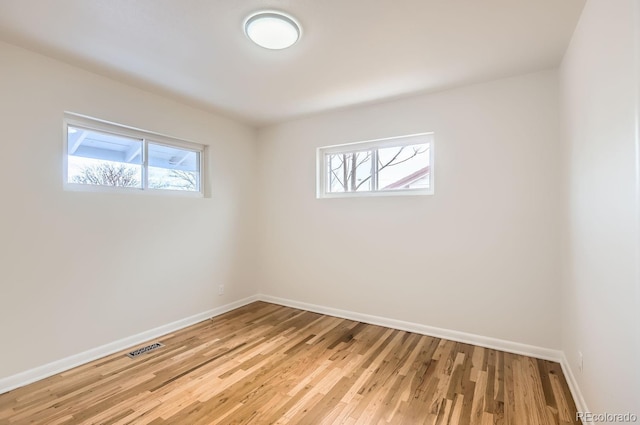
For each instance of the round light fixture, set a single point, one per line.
(272, 30)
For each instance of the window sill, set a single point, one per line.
(414, 192)
(73, 187)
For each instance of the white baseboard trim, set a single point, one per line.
(467, 338)
(41, 372)
(36, 374)
(581, 405)
(482, 341)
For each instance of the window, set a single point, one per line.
(101, 154)
(394, 166)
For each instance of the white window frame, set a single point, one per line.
(90, 123)
(412, 139)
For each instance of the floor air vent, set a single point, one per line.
(143, 350)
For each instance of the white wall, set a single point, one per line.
(78, 270)
(601, 297)
(480, 256)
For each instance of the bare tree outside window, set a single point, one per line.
(353, 171)
(173, 179)
(108, 174)
(187, 180)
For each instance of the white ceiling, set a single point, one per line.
(351, 51)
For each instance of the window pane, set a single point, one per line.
(349, 172)
(404, 167)
(103, 159)
(173, 168)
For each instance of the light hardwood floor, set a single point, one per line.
(268, 364)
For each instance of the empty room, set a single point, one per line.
(320, 212)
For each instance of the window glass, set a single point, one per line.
(173, 168)
(349, 172)
(400, 165)
(105, 154)
(403, 167)
(104, 159)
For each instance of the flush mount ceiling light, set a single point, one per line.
(272, 30)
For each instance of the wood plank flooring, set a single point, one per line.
(268, 364)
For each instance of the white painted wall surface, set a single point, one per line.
(480, 256)
(601, 297)
(78, 270)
